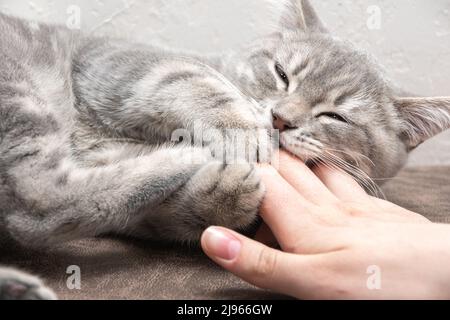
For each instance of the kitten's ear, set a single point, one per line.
(423, 118)
(300, 15)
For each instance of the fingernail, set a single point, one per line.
(221, 244)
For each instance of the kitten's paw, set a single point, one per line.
(253, 146)
(216, 195)
(227, 195)
(16, 285)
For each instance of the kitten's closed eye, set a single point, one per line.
(333, 116)
(280, 71)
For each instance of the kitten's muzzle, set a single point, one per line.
(281, 123)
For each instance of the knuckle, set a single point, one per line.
(294, 247)
(266, 263)
(352, 209)
(268, 172)
(359, 210)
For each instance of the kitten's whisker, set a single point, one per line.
(357, 173)
(313, 142)
(353, 154)
(391, 179)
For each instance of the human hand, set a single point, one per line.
(337, 242)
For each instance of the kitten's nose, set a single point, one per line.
(281, 123)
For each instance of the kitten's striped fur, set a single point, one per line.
(86, 126)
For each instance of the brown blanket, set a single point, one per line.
(126, 269)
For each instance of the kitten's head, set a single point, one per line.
(331, 101)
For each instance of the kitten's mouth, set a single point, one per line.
(299, 151)
(310, 162)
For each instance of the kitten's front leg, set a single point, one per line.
(64, 203)
(218, 194)
(164, 97)
(16, 285)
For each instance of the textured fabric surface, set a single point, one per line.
(425, 190)
(126, 269)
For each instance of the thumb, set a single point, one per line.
(252, 261)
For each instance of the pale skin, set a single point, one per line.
(336, 241)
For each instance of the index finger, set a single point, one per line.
(294, 171)
(284, 210)
(341, 184)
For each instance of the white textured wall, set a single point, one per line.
(413, 41)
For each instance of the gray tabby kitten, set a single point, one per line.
(86, 126)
